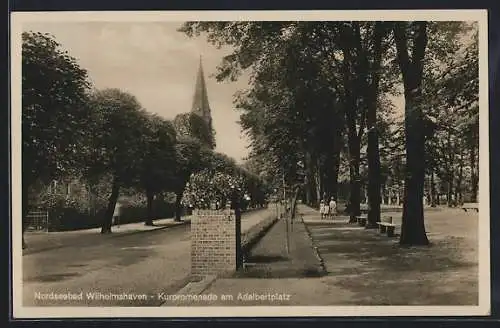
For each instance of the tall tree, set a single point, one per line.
(191, 157)
(370, 60)
(117, 143)
(54, 113)
(411, 62)
(451, 92)
(288, 107)
(354, 73)
(158, 160)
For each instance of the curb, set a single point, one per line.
(315, 248)
(49, 248)
(258, 233)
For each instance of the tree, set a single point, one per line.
(191, 124)
(158, 160)
(367, 62)
(413, 228)
(193, 153)
(54, 112)
(451, 92)
(290, 105)
(191, 157)
(117, 141)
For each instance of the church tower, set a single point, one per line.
(200, 105)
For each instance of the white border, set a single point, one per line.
(19, 311)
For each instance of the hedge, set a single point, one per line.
(69, 218)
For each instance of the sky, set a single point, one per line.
(157, 64)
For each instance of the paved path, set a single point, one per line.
(367, 268)
(138, 263)
(42, 241)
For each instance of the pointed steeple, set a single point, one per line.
(200, 99)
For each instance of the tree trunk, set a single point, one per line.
(294, 204)
(352, 111)
(458, 189)
(433, 190)
(374, 173)
(318, 184)
(333, 184)
(371, 96)
(355, 192)
(178, 205)
(308, 192)
(107, 221)
(310, 179)
(413, 227)
(158, 199)
(307, 182)
(149, 216)
(449, 192)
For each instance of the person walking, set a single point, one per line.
(333, 207)
(117, 213)
(326, 210)
(322, 209)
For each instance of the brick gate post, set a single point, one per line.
(215, 240)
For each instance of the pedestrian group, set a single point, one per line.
(328, 209)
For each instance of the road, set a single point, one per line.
(140, 265)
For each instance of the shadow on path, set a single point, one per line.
(378, 271)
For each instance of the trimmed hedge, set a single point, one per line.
(69, 218)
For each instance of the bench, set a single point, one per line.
(470, 206)
(362, 220)
(386, 226)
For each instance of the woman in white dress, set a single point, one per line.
(333, 208)
(326, 209)
(322, 209)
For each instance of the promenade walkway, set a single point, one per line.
(43, 241)
(362, 267)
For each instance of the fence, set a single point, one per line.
(38, 221)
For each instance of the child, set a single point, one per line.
(322, 209)
(333, 207)
(326, 209)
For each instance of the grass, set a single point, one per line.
(362, 266)
(377, 271)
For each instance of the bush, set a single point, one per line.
(69, 218)
(65, 218)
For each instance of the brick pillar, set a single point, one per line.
(213, 242)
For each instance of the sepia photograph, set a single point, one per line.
(215, 164)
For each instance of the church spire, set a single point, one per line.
(200, 99)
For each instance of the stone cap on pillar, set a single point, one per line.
(208, 213)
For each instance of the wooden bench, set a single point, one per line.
(470, 206)
(386, 226)
(362, 220)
